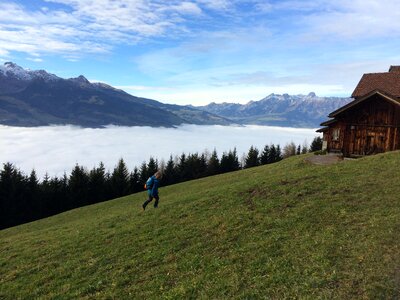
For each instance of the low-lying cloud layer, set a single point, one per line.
(56, 149)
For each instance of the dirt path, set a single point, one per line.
(327, 159)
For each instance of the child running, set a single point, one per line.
(152, 185)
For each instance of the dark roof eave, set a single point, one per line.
(329, 122)
(361, 99)
(322, 129)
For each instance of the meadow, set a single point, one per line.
(280, 231)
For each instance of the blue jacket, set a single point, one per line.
(154, 190)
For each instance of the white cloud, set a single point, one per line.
(216, 4)
(303, 6)
(57, 149)
(43, 40)
(35, 59)
(186, 8)
(89, 26)
(39, 32)
(134, 19)
(4, 52)
(207, 53)
(357, 19)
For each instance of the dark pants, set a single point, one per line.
(151, 199)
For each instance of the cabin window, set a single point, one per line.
(335, 134)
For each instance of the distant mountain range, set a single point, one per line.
(35, 98)
(280, 110)
(38, 98)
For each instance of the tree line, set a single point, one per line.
(24, 198)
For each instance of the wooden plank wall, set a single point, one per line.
(371, 127)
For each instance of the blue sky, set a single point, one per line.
(198, 51)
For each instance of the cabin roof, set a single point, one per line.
(361, 99)
(387, 82)
(329, 122)
(323, 129)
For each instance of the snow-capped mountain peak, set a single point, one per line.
(44, 75)
(11, 69)
(280, 110)
(11, 65)
(81, 80)
(311, 95)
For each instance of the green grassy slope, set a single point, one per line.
(287, 230)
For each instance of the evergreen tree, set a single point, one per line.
(33, 181)
(135, 183)
(213, 166)
(183, 170)
(9, 195)
(265, 156)
(203, 165)
(45, 196)
(278, 155)
(56, 197)
(252, 159)
(120, 179)
(65, 192)
(170, 175)
(316, 144)
(97, 184)
(229, 161)
(192, 166)
(225, 164)
(21, 196)
(144, 173)
(7, 187)
(46, 179)
(273, 153)
(234, 159)
(79, 187)
(33, 186)
(152, 166)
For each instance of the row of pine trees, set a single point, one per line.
(24, 198)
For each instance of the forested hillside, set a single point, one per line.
(25, 198)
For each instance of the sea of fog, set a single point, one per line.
(56, 149)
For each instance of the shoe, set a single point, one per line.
(144, 207)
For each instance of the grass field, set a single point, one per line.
(287, 230)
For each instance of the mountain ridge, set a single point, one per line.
(280, 110)
(38, 98)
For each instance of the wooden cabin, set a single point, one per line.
(371, 122)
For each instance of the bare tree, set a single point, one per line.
(289, 150)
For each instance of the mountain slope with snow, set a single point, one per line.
(37, 98)
(280, 110)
